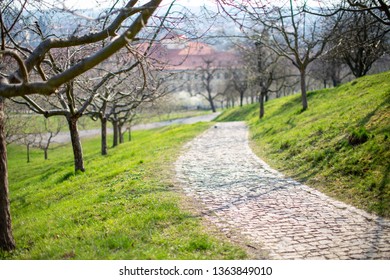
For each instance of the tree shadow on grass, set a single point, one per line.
(293, 103)
(368, 117)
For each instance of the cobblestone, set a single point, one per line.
(240, 193)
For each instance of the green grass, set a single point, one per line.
(340, 145)
(123, 207)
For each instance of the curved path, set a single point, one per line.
(244, 197)
(64, 137)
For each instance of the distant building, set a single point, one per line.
(186, 61)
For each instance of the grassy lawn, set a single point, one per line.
(340, 145)
(123, 207)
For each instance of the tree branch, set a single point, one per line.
(49, 87)
(21, 64)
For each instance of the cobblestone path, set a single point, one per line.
(241, 195)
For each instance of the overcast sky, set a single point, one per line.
(84, 4)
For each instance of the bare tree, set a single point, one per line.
(359, 41)
(29, 139)
(105, 91)
(231, 90)
(331, 68)
(266, 69)
(379, 9)
(47, 135)
(299, 44)
(16, 122)
(63, 104)
(207, 76)
(240, 81)
(262, 66)
(293, 35)
(128, 89)
(26, 128)
(122, 28)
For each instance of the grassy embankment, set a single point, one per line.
(123, 207)
(340, 145)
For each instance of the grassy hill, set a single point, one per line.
(123, 207)
(340, 145)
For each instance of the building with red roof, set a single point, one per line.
(185, 61)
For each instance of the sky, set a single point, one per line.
(87, 4)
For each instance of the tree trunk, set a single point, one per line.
(211, 101)
(76, 144)
(103, 121)
(303, 90)
(210, 98)
(7, 242)
(46, 148)
(261, 102)
(241, 99)
(28, 152)
(336, 81)
(120, 134)
(115, 135)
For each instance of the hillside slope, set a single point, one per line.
(340, 145)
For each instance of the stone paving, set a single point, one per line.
(240, 194)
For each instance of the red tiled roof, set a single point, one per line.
(191, 57)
